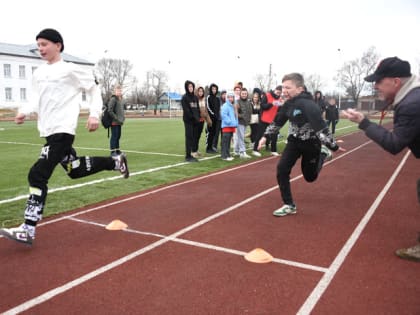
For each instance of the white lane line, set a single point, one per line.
(325, 281)
(209, 246)
(97, 181)
(95, 149)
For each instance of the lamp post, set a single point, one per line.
(339, 79)
(169, 91)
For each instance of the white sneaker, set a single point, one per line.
(275, 154)
(19, 234)
(121, 164)
(243, 155)
(228, 159)
(256, 153)
(285, 210)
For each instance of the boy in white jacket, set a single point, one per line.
(56, 94)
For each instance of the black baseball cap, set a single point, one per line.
(392, 67)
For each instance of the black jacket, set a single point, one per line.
(406, 130)
(213, 103)
(331, 112)
(189, 102)
(305, 120)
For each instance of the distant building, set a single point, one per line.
(172, 99)
(17, 63)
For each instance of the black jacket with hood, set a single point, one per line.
(305, 120)
(189, 102)
(213, 103)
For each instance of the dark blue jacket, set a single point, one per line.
(406, 130)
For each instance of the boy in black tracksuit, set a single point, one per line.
(213, 107)
(191, 118)
(308, 138)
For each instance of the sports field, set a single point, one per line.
(183, 249)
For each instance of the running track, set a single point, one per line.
(182, 252)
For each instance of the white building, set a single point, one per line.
(17, 63)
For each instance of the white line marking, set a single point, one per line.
(97, 181)
(323, 284)
(210, 246)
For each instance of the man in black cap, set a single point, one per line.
(401, 91)
(56, 95)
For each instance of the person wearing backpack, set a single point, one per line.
(115, 108)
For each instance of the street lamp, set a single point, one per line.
(169, 91)
(339, 79)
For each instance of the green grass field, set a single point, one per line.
(155, 150)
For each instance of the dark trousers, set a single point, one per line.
(200, 127)
(114, 142)
(311, 164)
(254, 133)
(190, 138)
(271, 139)
(212, 134)
(333, 123)
(226, 140)
(58, 150)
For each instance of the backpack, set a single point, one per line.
(106, 118)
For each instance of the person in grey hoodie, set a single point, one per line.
(401, 91)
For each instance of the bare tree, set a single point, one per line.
(352, 74)
(260, 81)
(265, 81)
(110, 72)
(313, 82)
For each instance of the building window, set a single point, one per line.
(22, 72)
(33, 69)
(23, 94)
(84, 96)
(7, 71)
(8, 92)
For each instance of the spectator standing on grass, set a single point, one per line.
(244, 118)
(332, 115)
(320, 101)
(204, 118)
(255, 116)
(57, 88)
(270, 103)
(218, 132)
(116, 111)
(212, 130)
(237, 91)
(191, 118)
(229, 125)
(309, 138)
(400, 90)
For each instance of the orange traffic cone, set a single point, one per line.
(116, 225)
(259, 256)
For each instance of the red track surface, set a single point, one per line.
(183, 250)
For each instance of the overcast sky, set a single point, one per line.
(222, 41)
